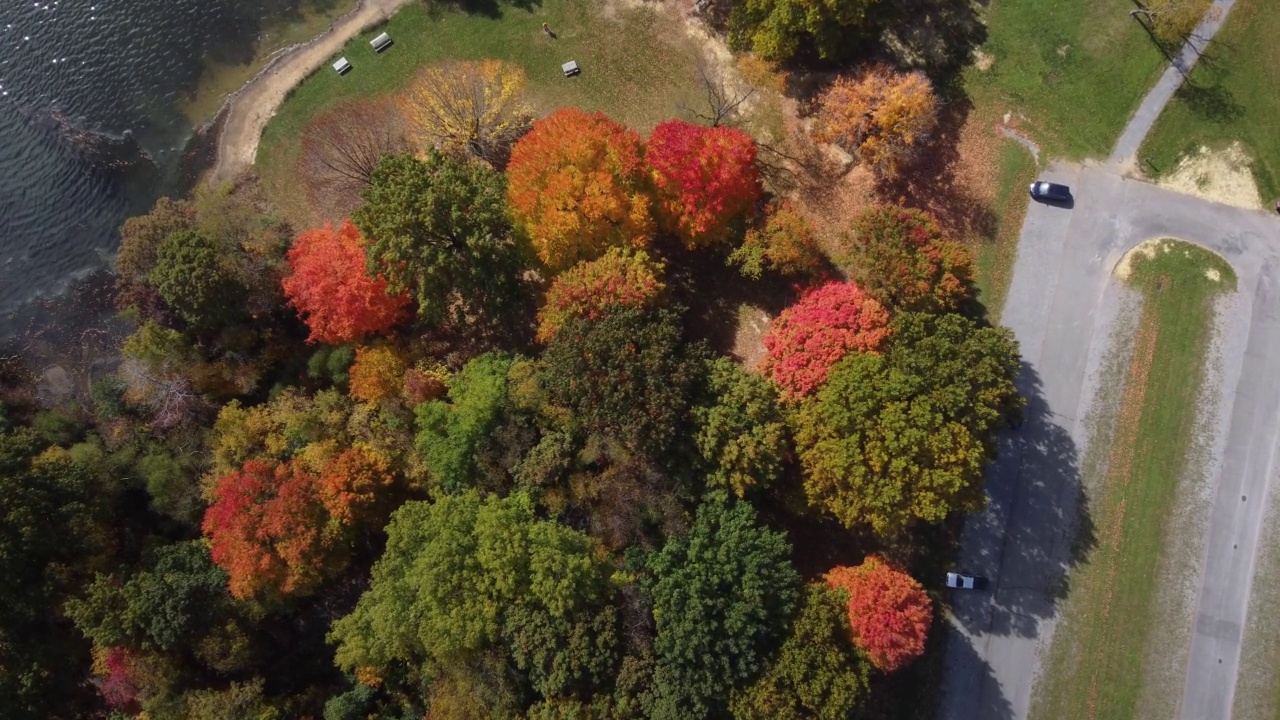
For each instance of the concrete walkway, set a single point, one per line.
(246, 112)
(1126, 150)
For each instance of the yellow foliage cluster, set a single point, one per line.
(881, 116)
(378, 374)
(472, 107)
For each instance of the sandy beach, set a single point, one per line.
(245, 112)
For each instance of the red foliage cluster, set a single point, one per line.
(269, 529)
(705, 177)
(618, 278)
(820, 329)
(329, 284)
(577, 182)
(889, 612)
(118, 688)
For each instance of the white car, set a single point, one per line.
(961, 581)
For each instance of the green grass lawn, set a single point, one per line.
(993, 261)
(638, 66)
(1076, 70)
(1233, 94)
(1096, 667)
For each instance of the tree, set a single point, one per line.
(377, 375)
(722, 596)
(437, 228)
(329, 284)
(882, 117)
(341, 147)
(450, 434)
(468, 106)
(904, 260)
(577, 182)
(355, 486)
(619, 278)
(817, 672)
(627, 374)
(783, 243)
(904, 436)
(740, 430)
(778, 29)
(140, 239)
(889, 612)
(705, 178)
(821, 328)
(191, 275)
(269, 531)
(1171, 20)
(464, 576)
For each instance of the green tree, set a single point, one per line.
(740, 431)
(45, 535)
(191, 275)
(722, 596)
(817, 673)
(464, 576)
(627, 373)
(905, 435)
(438, 228)
(450, 433)
(778, 29)
(140, 238)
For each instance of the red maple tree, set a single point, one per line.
(889, 612)
(577, 182)
(269, 529)
(329, 284)
(821, 328)
(705, 177)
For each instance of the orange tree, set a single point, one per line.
(905, 261)
(705, 177)
(618, 278)
(784, 242)
(577, 183)
(889, 612)
(815, 333)
(329, 284)
(881, 116)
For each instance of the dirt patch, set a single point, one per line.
(748, 341)
(983, 61)
(1223, 176)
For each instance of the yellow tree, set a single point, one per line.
(378, 374)
(474, 107)
(1171, 20)
(880, 116)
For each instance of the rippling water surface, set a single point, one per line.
(90, 130)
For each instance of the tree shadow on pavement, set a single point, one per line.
(970, 690)
(1036, 528)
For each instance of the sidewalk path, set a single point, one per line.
(246, 112)
(1126, 150)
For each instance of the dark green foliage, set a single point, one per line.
(451, 433)
(778, 29)
(192, 277)
(817, 672)
(628, 374)
(465, 577)
(45, 529)
(173, 488)
(722, 595)
(172, 602)
(741, 435)
(107, 394)
(331, 363)
(904, 436)
(354, 704)
(438, 228)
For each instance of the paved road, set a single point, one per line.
(1126, 150)
(1061, 305)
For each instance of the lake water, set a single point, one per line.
(90, 126)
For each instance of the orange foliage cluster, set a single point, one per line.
(352, 485)
(820, 329)
(619, 278)
(377, 374)
(905, 260)
(881, 116)
(704, 176)
(329, 284)
(889, 612)
(577, 182)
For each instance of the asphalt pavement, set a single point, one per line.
(1062, 305)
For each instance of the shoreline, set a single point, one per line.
(236, 128)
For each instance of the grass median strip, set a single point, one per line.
(1095, 668)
